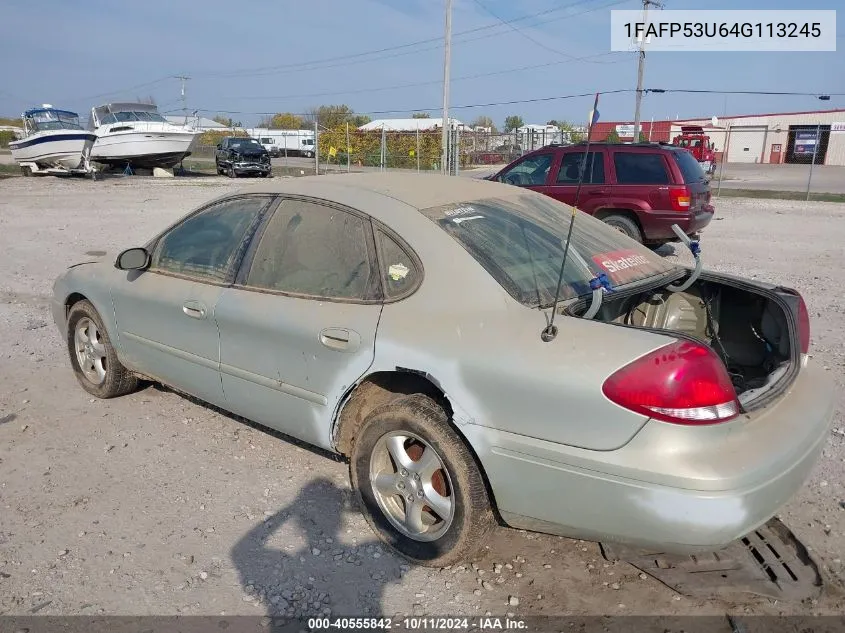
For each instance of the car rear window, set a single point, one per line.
(519, 240)
(689, 166)
(640, 168)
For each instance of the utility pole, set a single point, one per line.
(447, 61)
(183, 79)
(641, 69)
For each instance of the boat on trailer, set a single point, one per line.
(135, 135)
(54, 143)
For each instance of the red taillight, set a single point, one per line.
(680, 198)
(683, 383)
(803, 325)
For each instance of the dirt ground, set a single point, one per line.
(154, 504)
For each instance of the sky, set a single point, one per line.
(263, 56)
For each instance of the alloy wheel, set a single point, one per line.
(412, 486)
(90, 351)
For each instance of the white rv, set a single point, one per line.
(285, 142)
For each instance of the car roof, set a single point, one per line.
(419, 191)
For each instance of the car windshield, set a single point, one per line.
(519, 240)
(247, 143)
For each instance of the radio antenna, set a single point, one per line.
(550, 331)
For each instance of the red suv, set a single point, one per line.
(642, 189)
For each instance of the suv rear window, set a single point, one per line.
(640, 168)
(689, 166)
(519, 239)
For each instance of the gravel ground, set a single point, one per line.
(154, 504)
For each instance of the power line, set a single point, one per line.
(387, 49)
(438, 108)
(746, 92)
(121, 91)
(529, 37)
(432, 44)
(435, 81)
(558, 98)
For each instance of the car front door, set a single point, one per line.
(564, 185)
(165, 314)
(531, 172)
(298, 327)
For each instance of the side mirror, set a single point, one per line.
(220, 146)
(133, 259)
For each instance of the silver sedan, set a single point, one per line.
(426, 328)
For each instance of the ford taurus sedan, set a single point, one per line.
(403, 322)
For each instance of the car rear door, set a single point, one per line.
(641, 179)
(165, 314)
(563, 183)
(298, 327)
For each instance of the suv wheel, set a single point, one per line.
(418, 484)
(625, 225)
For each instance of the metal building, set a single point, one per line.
(781, 137)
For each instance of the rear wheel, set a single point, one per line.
(26, 170)
(625, 225)
(418, 484)
(93, 357)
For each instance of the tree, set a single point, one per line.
(420, 115)
(330, 116)
(485, 121)
(613, 136)
(359, 119)
(284, 121)
(513, 122)
(570, 130)
(643, 137)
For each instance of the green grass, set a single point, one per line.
(781, 195)
(12, 169)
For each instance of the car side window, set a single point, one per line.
(398, 270)
(532, 170)
(570, 168)
(208, 243)
(315, 250)
(640, 168)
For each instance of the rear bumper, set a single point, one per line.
(657, 225)
(681, 489)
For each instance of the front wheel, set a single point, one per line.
(418, 484)
(231, 172)
(92, 355)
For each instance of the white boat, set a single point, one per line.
(53, 139)
(136, 135)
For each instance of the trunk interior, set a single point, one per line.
(749, 329)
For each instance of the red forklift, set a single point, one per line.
(693, 139)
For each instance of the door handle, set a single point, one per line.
(194, 309)
(340, 339)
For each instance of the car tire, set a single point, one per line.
(625, 225)
(410, 427)
(93, 356)
(231, 172)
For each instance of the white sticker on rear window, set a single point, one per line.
(398, 271)
(459, 210)
(472, 217)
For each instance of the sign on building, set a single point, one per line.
(625, 131)
(805, 143)
(837, 127)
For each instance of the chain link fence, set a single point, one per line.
(804, 160)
